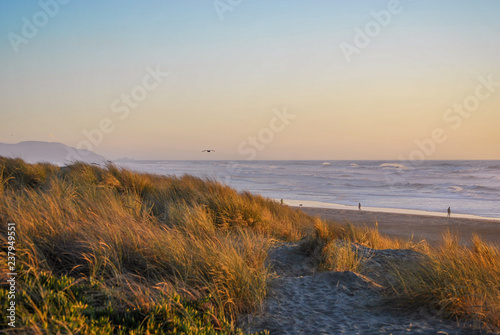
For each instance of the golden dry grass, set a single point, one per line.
(107, 250)
(459, 282)
(138, 234)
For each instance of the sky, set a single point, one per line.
(254, 79)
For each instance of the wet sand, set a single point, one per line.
(430, 228)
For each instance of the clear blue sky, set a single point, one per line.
(231, 67)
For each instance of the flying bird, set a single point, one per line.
(208, 150)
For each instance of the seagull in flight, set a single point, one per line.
(208, 150)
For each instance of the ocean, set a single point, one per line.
(468, 187)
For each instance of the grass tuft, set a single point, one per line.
(459, 282)
(107, 250)
(456, 281)
(110, 251)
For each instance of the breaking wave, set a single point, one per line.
(393, 166)
(455, 189)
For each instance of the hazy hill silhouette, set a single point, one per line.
(51, 152)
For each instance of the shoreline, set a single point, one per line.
(326, 205)
(419, 227)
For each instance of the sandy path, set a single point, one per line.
(404, 226)
(304, 302)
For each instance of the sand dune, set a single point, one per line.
(302, 301)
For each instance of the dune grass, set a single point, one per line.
(107, 250)
(458, 282)
(331, 245)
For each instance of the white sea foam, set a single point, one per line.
(318, 204)
(469, 187)
(456, 189)
(393, 166)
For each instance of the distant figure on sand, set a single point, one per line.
(281, 202)
(359, 206)
(449, 211)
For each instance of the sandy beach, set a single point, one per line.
(430, 228)
(302, 300)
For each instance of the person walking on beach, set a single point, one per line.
(359, 206)
(449, 211)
